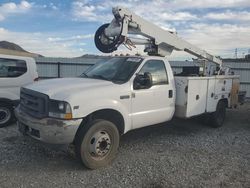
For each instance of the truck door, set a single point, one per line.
(155, 104)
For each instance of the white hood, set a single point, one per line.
(62, 88)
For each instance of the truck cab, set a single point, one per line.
(15, 72)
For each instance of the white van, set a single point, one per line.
(15, 72)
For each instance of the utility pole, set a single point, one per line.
(236, 53)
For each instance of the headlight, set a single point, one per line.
(60, 109)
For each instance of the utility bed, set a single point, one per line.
(198, 95)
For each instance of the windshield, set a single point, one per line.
(116, 69)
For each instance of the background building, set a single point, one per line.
(50, 67)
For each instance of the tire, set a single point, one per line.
(6, 114)
(97, 143)
(217, 118)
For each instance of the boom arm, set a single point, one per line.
(157, 41)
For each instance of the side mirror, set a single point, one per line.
(143, 81)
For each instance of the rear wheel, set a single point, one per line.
(97, 143)
(217, 118)
(6, 114)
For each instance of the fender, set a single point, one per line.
(12, 102)
(95, 105)
(9, 95)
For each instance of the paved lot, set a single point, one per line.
(181, 153)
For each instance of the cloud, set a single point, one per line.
(218, 39)
(85, 12)
(49, 6)
(230, 15)
(1, 17)
(46, 44)
(192, 4)
(53, 6)
(72, 38)
(25, 5)
(12, 8)
(161, 12)
(178, 16)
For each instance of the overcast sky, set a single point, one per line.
(65, 28)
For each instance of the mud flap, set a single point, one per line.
(22, 128)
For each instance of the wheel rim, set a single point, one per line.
(5, 115)
(100, 144)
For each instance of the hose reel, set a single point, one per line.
(107, 44)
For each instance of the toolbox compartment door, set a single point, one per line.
(191, 96)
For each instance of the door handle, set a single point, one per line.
(170, 93)
(133, 95)
(124, 97)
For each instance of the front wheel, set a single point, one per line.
(6, 114)
(217, 118)
(97, 143)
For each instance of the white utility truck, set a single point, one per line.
(15, 72)
(124, 93)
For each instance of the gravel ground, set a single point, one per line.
(180, 153)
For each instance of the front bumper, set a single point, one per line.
(49, 130)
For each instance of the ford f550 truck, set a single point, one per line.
(124, 93)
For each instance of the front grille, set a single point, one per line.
(34, 103)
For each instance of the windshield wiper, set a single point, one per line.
(100, 77)
(85, 75)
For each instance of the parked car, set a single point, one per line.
(15, 72)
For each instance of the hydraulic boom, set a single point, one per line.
(130, 29)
